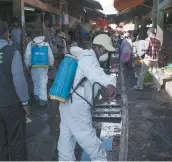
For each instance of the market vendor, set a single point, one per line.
(16, 33)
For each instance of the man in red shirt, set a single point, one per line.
(152, 48)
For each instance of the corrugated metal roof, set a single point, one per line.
(75, 7)
(87, 3)
(91, 13)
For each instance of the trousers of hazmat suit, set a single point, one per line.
(40, 80)
(39, 75)
(76, 119)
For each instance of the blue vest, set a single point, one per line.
(39, 56)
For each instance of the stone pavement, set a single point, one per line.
(150, 118)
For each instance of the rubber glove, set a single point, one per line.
(111, 91)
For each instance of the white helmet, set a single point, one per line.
(105, 41)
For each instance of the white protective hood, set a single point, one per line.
(79, 52)
(39, 39)
(76, 51)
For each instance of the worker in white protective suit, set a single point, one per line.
(39, 75)
(76, 119)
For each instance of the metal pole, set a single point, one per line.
(43, 23)
(155, 10)
(123, 154)
(108, 64)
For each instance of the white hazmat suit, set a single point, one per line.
(39, 75)
(76, 119)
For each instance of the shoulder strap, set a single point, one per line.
(77, 86)
(74, 91)
(36, 44)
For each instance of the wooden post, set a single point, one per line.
(160, 23)
(18, 10)
(154, 12)
(158, 19)
(136, 22)
(43, 23)
(43, 6)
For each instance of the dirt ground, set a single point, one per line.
(150, 118)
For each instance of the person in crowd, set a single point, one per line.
(13, 101)
(71, 34)
(76, 120)
(126, 49)
(16, 33)
(78, 33)
(140, 46)
(152, 49)
(127, 37)
(52, 40)
(62, 36)
(51, 34)
(39, 74)
(119, 41)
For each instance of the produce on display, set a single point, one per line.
(168, 70)
(148, 79)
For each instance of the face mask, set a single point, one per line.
(99, 51)
(104, 57)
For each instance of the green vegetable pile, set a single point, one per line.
(148, 78)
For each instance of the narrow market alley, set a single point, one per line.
(150, 117)
(149, 134)
(85, 80)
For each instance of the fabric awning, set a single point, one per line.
(126, 4)
(101, 23)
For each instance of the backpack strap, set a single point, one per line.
(74, 91)
(36, 44)
(77, 86)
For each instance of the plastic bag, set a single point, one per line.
(125, 57)
(140, 48)
(65, 19)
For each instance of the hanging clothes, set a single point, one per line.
(65, 19)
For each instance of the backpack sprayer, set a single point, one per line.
(62, 86)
